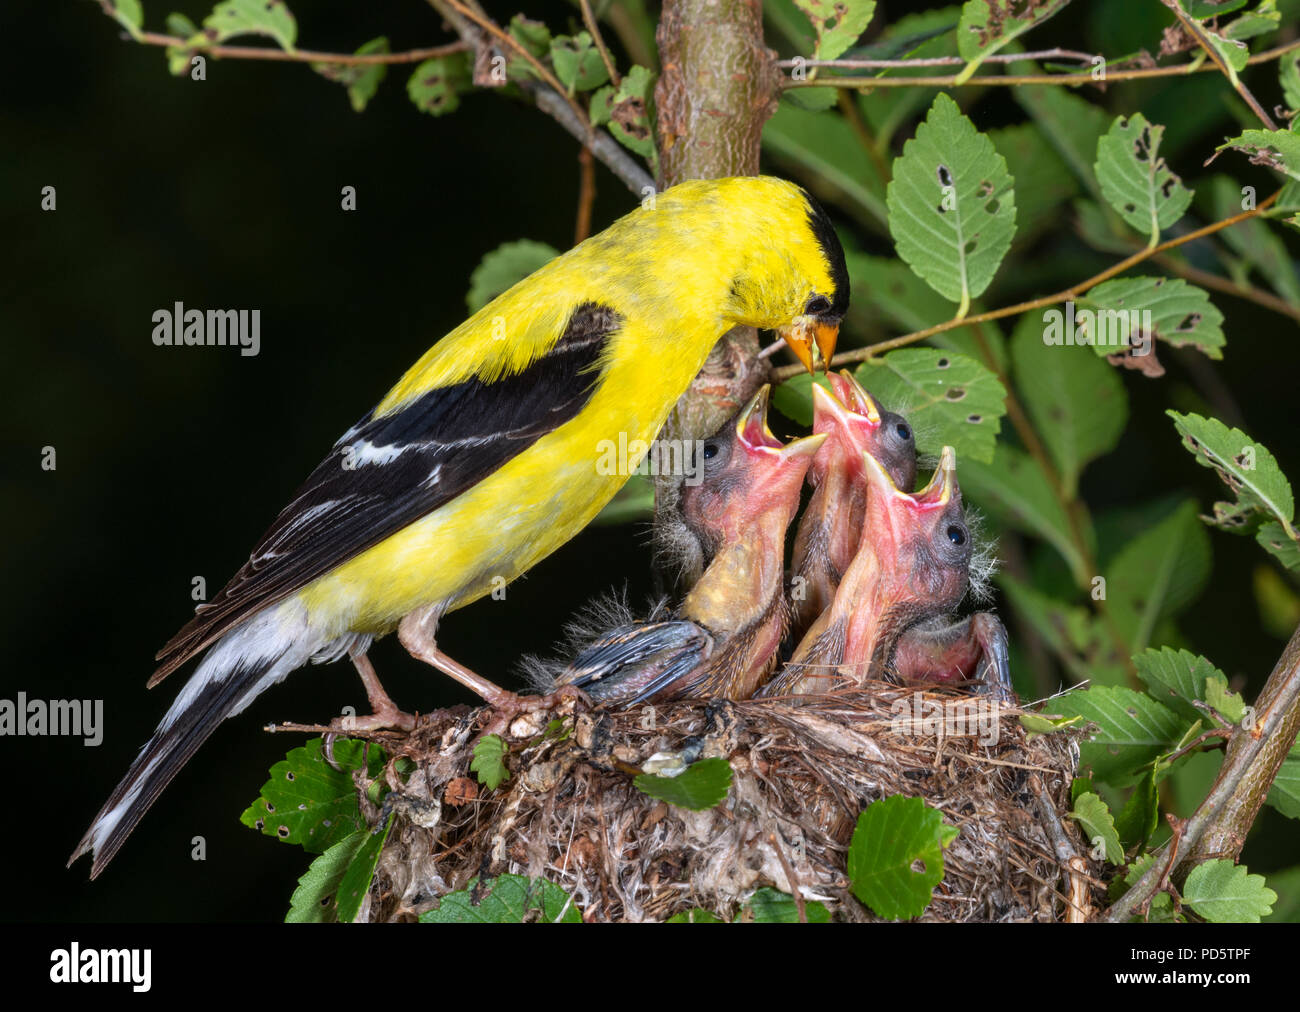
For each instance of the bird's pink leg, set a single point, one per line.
(383, 711)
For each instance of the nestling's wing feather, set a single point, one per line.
(391, 470)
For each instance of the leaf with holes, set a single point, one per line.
(1076, 401)
(362, 80)
(506, 899)
(250, 17)
(627, 110)
(577, 62)
(489, 762)
(896, 856)
(952, 206)
(1225, 893)
(1249, 470)
(309, 802)
(987, 26)
(1285, 792)
(838, 23)
(950, 399)
(701, 786)
(1135, 178)
(1157, 575)
(1132, 729)
(504, 267)
(314, 901)
(1091, 813)
(1228, 705)
(436, 84)
(1014, 490)
(1176, 678)
(1283, 546)
(1130, 311)
(1278, 149)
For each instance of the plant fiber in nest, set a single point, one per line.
(802, 772)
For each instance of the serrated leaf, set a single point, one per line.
(1076, 401)
(1014, 490)
(577, 62)
(1264, 18)
(1229, 705)
(1175, 678)
(1249, 470)
(1278, 149)
(771, 906)
(1284, 795)
(1275, 539)
(1226, 893)
(952, 208)
(1157, 575)
(1072, 125)
(987, 26)
(696, 915)
(307, 801)
(489, 763)
(1179, 314)
(627, 110)
(271, 18)
(506, 899)
(1232, 52)
(362, 80)
(950, 399)
(355, 883)
(822, 149)
(1140, 815)
(505, 267)
(1098, 826)
(1288, 72)
(314, 901)
(837, 23)
(1136, 180)
(896, 856)
(701, 786)
(1132, 729)
(435, 85)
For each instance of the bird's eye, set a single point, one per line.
(904, 433)
(817, 305)
(956, 535)
(710, 450)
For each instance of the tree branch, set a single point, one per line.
(301, 55)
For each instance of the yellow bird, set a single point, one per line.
(490, 453)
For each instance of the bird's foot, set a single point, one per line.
(384, 718)
(508, 706)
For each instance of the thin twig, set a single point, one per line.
(301, 55)
(939, 61)
(589, 19)
(1068, 294)
(793, 882)
(586, 194)
(1197, 32)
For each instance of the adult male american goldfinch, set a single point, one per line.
(724, 638)
(912, 563)
(484, 458)
(831, 525)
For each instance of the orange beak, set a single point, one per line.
(809, 339)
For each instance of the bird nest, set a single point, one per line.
(803, 770)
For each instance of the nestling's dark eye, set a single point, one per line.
(904, 433)
(956, 535)
(710, 450)
(817, 305)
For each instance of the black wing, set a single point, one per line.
(631, 663)
(386, 473)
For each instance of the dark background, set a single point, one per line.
(172, 461)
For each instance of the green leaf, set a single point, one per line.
(1043, 180)
(356, 879)
(1289, 76)
(771, 906)
(1287, 886)
(1283, 546)
(1132, 729)
(1284, 795)
(577, 62)
(896, 856)
(129, 14)
(952, 208)
(436, 84)
(950, 399)
(1141, 812)
(532, 35)
(1036, 725)
(793, 398)
(1169, 309)
(1098, 826)
(988, 25)
(1076, 401)
(504, 267)
(1176, 678)
(922, 35)
(1264, 18)
(1072, 125)
(1246, 467)
(1202, 9)
(314, 901)
(822, 149)
(1157, 575)
(506, 899)
(1232, 52)
(701, 786)
(307, 801)
(1226, 893)
(627, 111)
(1229, 705)
(181, 26)
(489, 763)
(1278, 149)
(1255, 240)
(1015, 491)
(696, 915)
(271, 18)
(361, 80)
(1135, 178)
(838, 23)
